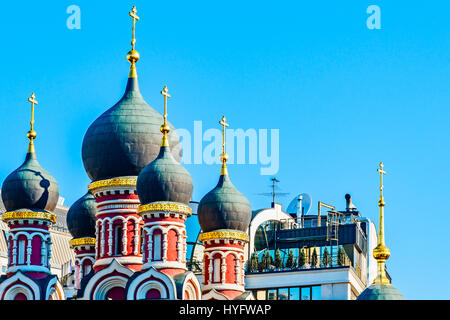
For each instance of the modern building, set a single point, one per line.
(136, 234)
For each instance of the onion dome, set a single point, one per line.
(30, 186)
(126, 137)
(224, 207)
(164, 179)
(381, 292)
(81, 217)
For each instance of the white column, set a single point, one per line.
(210, 270)
(110, 238)
(164, 245)
(223, 268)
(136, 237)
(238, 270)
(124, 238)
(14, 251)
(150, 246)
(29, 251)
(102, 241)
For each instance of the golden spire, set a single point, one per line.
(223, 156)
(381, 253)
(165, 128)
(133, 55)
(32, 134)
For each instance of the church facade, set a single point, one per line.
(129, 233)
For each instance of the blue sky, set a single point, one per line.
(343, 97)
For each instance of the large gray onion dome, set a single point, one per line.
(125, 138)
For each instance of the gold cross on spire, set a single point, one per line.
(133, 55)
(223, 156)
(32, 134)
(165, 128)
(132, 14)
(381, 253)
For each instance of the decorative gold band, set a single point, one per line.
(225, 234)
(165, 206)
(119, 182)
(14, 215)
(82, 241)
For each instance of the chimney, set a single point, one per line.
(348, 202)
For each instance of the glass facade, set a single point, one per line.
(289, 293)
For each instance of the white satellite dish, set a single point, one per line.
(306, 202)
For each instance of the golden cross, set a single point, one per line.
(33, 102)
(166, 95)
(224, 124)
(381, 171)
(132, 14)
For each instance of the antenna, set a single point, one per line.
(274, 192)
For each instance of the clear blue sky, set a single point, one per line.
(343, 97)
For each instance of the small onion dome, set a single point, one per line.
(30, 187)
(81, 217)
(164, 179)
(125, 138)
(224, 207)
(381, 292)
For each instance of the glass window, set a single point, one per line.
(294, 293)
(283, 294)
(316, 293)
(261, 295)
(21, 252)
(306, 293)
(272, 294)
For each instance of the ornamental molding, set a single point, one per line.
(223, 234)
(115, 182)
(173, 207)
(82, 242)
(26, 215)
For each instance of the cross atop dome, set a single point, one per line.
(133, 55)
(32, 134)
(224, 156)
(165, 128)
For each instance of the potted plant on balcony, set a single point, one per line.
(290, 260)
(325, 258)
(278, 262)
(301, 259)
(314, 258)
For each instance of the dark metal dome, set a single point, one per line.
(164, 179)
(224, 207)
(81, 217)
(381, 292)
(125, 138)
(30, 187)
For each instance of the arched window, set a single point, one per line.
(216, 269)
(157, 245)
(118, 240)
(21, 251)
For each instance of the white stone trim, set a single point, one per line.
(36, 295)
(114, 265)
(142, 291)
(122, 260)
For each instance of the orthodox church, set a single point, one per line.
(129, 232)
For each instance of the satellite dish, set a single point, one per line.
(306, 204)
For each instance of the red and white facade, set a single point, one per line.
(84, 249)
(118, 225)
(164, 274)
(29, 253)
(223, 264)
